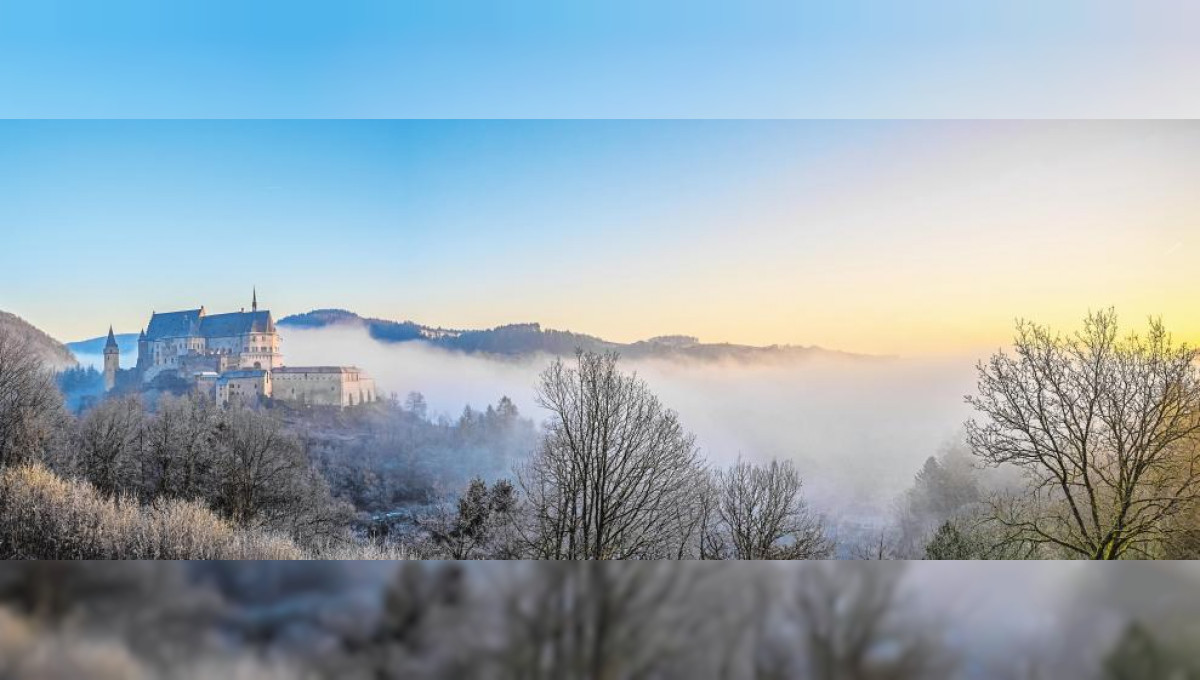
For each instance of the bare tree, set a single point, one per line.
(855, 625)
(257, 463)
(108, 444)
(266, 481)
(615, 469)
(1183, 538)
(31, 408)
(1105, 429)
(177, 457)
(762, 515)
(880, 546)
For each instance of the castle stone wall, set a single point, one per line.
(322, 386)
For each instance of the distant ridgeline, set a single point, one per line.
(52, 352)
(530, 338)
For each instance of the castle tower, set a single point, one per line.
(143, 355)
(254, 300)
(112, 361)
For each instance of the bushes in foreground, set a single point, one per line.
(44, 516)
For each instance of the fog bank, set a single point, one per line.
(857, 429)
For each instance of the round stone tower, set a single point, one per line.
(112, 361)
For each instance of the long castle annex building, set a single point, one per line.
(230, 357)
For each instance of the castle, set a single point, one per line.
(231, 357)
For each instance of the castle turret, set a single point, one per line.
(254, 300)
(112, 361)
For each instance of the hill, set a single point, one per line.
(54, 353)
(530, 338)
(127, 342)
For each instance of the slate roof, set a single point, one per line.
(236, 323)
(173, 324)
(194, 322)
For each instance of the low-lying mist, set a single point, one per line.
(858, 429)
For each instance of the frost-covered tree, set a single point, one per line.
(616, 474)
(760, 514)
(31, 407)
(1105, 428)
(108, 445)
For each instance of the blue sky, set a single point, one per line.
(875, 236)
(620, 58)
(160, 213)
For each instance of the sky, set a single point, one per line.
(907, 238)
(592, 59)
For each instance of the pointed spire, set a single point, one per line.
(112, 341)
(254, 300)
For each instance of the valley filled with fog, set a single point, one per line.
(858, 429)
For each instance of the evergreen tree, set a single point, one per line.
(951, 543)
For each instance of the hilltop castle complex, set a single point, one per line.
(230, 357)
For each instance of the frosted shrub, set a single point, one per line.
(44, 516)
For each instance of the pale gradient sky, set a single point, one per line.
(885, 237)
(603, 59)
